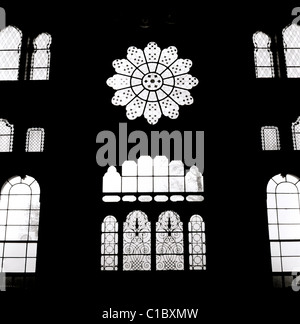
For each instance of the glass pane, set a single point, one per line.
(18, 217)
(30, 265)
(15, 250)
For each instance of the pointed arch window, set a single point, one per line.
(109, 244)
(296, 134)
(6, 136)
(137, 242)
(197, 246)
(10, 52)
(35, 140)
(19, 225)
(263, 57)
(270, 138)
(169, 242)
(40, 62)
(283, 204)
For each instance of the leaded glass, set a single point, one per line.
(6, 136)
(19, 224)
(296, 134)
(169, 242)
(109, 244)
(35, 140)
(137, 242)
(270, 138)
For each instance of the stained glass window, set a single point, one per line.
(270, 138)
(6, 136)
(35, 140)
(109, 244)
(40, 62)
(10, 52)
(296, 134)
(137, 242)
(169, 242)
(263, 57)
(291, 42)
(283, 204)
(197, 246)
(19, 224)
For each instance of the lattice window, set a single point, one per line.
(152, 82)
(6, 136)
(10, 52)
(296, 134)
(19, 224)
(263, 57)
(169, 242)
(40, 62)
(197, 246)
(35, 140)
(109, 244)
(270, 138)
(137, 242)
(283, 204)
(291, 42)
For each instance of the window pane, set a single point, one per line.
(35, 140)
(291, 42)
(6, 133)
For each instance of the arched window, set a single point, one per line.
(19, 224)
(137, 242)
(35, 140)
(263, 57)
(283, 204)
(10, 52)
(197, 247)
(109, 244)
(296, 134)
(169, 242)
(40, 62)
(291, 42)
(6, 136)
(270, 138)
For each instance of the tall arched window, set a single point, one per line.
(296, 134)
(283, 204)
(19, 224)
(6, 136)
(109, 244)
(35, 140)
(197, 247)
(169, 242)
(291, 42)
(137, 242)
(263, 57)
(10, 52)
(40, 62)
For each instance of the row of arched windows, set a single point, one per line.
(37, 61)
(137, 245)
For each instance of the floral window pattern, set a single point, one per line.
(137, 242)
(197, 247)
(35, 140)
(291, 42)
(10, 52)
(263, 57)
(152, 82)
(283, 204)
(169, 242)
(109, 244)
(270, 138)
(19, 224)
(296, 134)
(40, 62)
(6, 136)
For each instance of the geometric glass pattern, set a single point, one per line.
(197, 247)
(152, 82)
(291, 42)
(283, 205)
(270, 138)
(35, 140)
(109, 244)
(137, 242)
(263, 57)
(10, 52)
(19, 224)
(296, 134)
(40, 61)
(169, 242)
(6, 136)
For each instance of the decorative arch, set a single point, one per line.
(109, 244)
